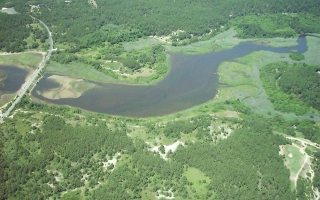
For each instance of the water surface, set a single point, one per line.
(192, 80)
(11, 78)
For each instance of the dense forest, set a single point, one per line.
(76, 21)
(48, 154)
(292, 88)
(14, 30)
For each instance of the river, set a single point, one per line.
(192, 80)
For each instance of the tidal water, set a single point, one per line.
(192, 80)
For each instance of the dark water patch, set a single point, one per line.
(46, 85)
(11, 78)
(192, 80)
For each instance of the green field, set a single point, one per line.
(26, 60)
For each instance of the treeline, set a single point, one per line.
(14, 30)
(292, 88)
(69, 21)
(276, 25)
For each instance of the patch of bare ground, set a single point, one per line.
(173, 147)
(94, 3)
(229, 113)
(65, 89)
(305, 161)
(165, 39)
(143, 72)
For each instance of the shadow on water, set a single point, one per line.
(11, 79)
(192, 80)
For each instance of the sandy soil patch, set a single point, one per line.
(112, 161)
(144, 72)
(160, 194)
(305, 162)
(229, 114)
(94, 3)
(173, 147)
(165, 39)
(64, 91)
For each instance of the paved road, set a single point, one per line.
(29, 82)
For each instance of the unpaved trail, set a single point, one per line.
(306, 162)
(304, 141)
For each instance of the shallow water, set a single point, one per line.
(11, 78)
(192, 80)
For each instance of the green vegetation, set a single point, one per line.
(26, 59)
(276, 25)
(14, 29)
(113, 63)
(294, 158)
(292, 88)
(296, 56)
(76, 160)
(19, 33)
(228, 148)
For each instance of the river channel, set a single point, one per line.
(192, 80)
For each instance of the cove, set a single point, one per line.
(11, 78)
(193, 80)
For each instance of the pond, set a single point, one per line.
(192, 80)
(11, 78)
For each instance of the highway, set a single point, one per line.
(30, 81)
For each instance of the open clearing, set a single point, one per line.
(297, 160)
(25, 60)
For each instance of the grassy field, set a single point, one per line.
(312, 56)
(140, 44)
(73, 195)
(294, 158)
(78, 70)
(25, 60)
(200, 182)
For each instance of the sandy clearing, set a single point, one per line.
(164, 39)
(94, 3)
(305, 166)
(173, 147)
(305, 161)
(162, 196)
(112, 161)
(64, 91)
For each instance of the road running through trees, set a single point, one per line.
(29, 82)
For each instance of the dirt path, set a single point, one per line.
(306, 162)
(304, 141)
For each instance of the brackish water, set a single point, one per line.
(192, 80)
(11, 78)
